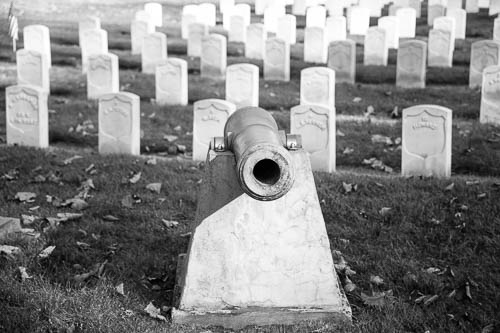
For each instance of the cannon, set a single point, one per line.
(264, 166)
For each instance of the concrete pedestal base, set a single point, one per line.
(256, 262)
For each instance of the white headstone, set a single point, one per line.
(376, 49)
(359, 20)
(277, 60)
(237, 29)
(271, 17)
(209, 119)
(417, 5)
(196, 33)
(287, 29)
(316, 125)
(154, 51)
(496, 29)
(391, 26)
(335, 7)
(188, 18)
(426, 141)
(143, 15)
(407, 22)
(446, 23)
(138, 30)
(102, 75)
(316, 16)
(315, 45)
(433, 12)
(317, 86)
(490, 96)
(411, 64)
(375, 7)
(207, 14)
(225, 5)
(299, 7)
(32, 69)
(494, 8)
(37, 38)
(484, 53)
(213, 59)
(336, 28)
(171, 82)
(460, 16)
(27, 116)
(483, 3)
(242, 85)
(342, 59)
(119, 124)
(94, 41)
(472, 6)
(89, 22)
(155, 11)
(255, 46)
(440, 48)
(453, 4)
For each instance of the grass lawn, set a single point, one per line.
(437, 247)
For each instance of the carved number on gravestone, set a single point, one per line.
(427, 136)
(25, 110)
(313, 128)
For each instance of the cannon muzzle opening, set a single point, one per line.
(264, 166)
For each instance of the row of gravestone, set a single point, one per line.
(426, 134)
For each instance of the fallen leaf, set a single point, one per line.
(28, 219)
(395, 112)
(488, 329)
(384, 211)
(170, 138)
(119, 289)
(348, 151)
(23, 274)
(78, 204)
(154, 312)
(46, 253)
(9, 251)
(376, 280)
(378, 299)
(154, 187)
(340, 133)
(25, 196)
(151, 161)
(135, 178)
(449, 187)
(432, 270)
(110, 218)
(431, 300)
(349, 286)
(481, 195)
(356, 99)
(83, 245)
(369, 111)
(170, 224)
(63, 217)
(377, 138)
(472, 182)
(71, 159)
(9, 225)
(127, 201)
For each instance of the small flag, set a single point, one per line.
(13, 27)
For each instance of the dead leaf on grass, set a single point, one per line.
(9, 251)
(77, 204)
(431, 300)
(449, 187)
(119, 289)
(127, 201)
(170, 138)
(151, 161)
(376, 280)
(348, 188)
(154, 312)
(378, 299)
(488, 329)
(170, 224)
(154, 187)
(135, 178)
(46, 252)
(110, 218)
(481, 195)
(25, 196)
(23, 274)
(348, 151)
(349, 286)
(384, 211)
(63, 217)
(71, 159)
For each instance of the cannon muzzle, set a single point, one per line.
(264, 166)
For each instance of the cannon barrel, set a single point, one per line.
(264, 166)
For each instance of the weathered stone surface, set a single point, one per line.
(32, 69)
(391, 26)
(336, 28)
(139, 30)
(484, 53)
(119, 124)
(490, 96)
(426, 141)
(472, 6)
(376, 47)
(277, 60)
(242, 85)
(37, 38)
(155, 10)
(342, 59)
(94, 41)
(196, 32)
(317, 86)
(358, 20)
(411, 66)
(172, 82)
(407, 22)
(460, 16)
(27, 116)
(258, 263)
(287, 29)
(315, 45)
(433, 12)
(316, 16)
(213, 58)
(154, 51)
(440, 48)
(255, 45)
(89, 22)
(8, 226)
(316, 125)
(102, 75)
(210, 116)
